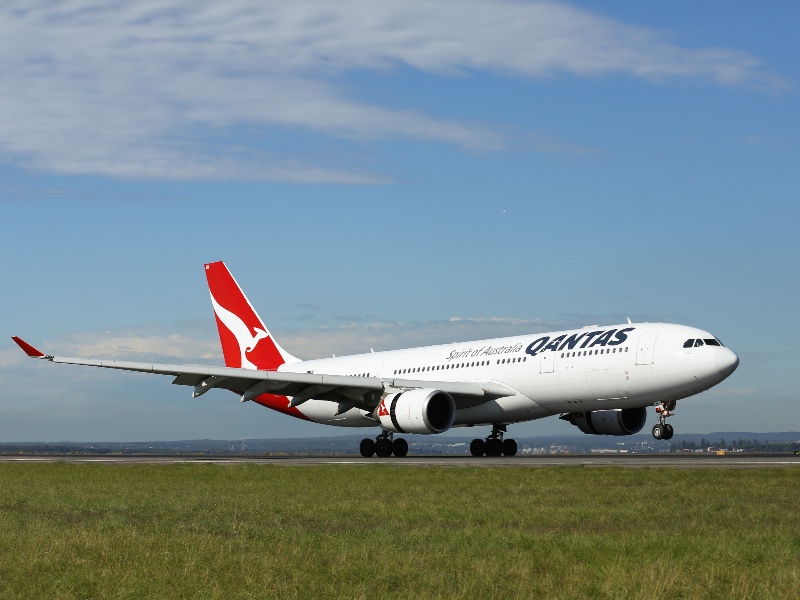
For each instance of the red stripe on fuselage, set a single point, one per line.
(281, 404)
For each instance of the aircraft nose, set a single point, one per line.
(727, 361)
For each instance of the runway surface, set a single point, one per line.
(675, 461)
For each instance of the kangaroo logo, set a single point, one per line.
(383, 411)
(247, 341)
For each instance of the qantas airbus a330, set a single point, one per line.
(600, 379)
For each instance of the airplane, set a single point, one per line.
(600, 379)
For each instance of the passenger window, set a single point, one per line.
(688, 343)
(698, 343)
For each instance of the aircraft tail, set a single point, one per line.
(246, 342)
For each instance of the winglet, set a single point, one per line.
(27, 348)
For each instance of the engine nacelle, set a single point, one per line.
(417, 411)
(617, 421)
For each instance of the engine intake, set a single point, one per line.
(617, 421)
(417, 411)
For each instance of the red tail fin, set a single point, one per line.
(246, 342)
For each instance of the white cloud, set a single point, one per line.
(777, 142)
(733, 391)
(190, 341)
(359, 338)
(159, 89)
(185, 342)
(142, 346)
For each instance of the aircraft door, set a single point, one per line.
(646, 348)
(546, 362)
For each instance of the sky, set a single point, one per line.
(385, 175)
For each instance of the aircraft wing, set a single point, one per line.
(362, 392)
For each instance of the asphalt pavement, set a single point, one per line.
(675, 461)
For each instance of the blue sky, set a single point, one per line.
(388, 175)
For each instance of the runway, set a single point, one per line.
(659, 461)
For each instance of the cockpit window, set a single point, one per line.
(712, 342)
(688, 343)
(698, 343)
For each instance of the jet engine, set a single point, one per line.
(618, 421)
(417, 411)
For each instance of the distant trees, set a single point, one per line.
(740, 445)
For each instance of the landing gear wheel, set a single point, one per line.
(399, 447)
(493, 447)
(664, 409)
(367, 448)
(383, 447)
(477, 447)
(509, 447)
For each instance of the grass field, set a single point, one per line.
(211, 531)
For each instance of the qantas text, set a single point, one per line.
(590, 339)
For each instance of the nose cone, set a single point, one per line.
(727, 361)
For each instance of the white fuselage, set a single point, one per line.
(594, 368)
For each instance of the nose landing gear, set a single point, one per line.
(494, 444)
(384, 446)
(662, 430)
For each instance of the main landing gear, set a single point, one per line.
(384, 446)
(494, 445)
(662, 430)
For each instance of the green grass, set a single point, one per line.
(250, 531)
